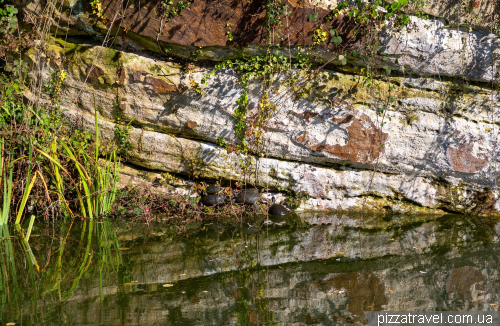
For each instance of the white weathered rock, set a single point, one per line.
(437, 50)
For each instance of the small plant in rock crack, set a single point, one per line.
(195, 55)
(230, 36)
(96, 8)
(169, 10)
(195, 86)
(229, 148)
(168, 177)
(294, 200)
(336, 38)
(411, 117)
(53, 86)
(320, 36)
(122, 137)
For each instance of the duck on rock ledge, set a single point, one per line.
(278, 209)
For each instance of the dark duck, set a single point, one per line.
(211, 195)
(278, 209)
(248, 196)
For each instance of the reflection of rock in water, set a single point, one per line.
(331, 272)
(366, 291)
(462, 279)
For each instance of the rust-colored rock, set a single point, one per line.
(94, 71)
(364, 138)
(121, 76)
(462, 159)
(138, 75)
(192, 124)
(205, 23)
(159, 85)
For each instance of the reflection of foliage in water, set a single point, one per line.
(64, 264)
(251, 301)
(11, 274)
(8, 275)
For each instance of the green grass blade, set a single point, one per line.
(52, 160)
(7, 196)
(86, 180)
(25, 198)
(28, 233)
(27, 248)
(96, 135)
(57, 173)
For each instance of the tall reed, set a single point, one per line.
(98, 181)
(6, 171)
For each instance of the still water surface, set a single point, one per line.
(312, 269)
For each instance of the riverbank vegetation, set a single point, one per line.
(49, 165)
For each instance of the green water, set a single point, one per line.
(313, 269)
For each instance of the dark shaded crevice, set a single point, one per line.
(412, 202)
(448, 210)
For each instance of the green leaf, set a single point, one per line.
(403, 2)
(313, 16)
(336, 40)
(395, 6)
(406, 19)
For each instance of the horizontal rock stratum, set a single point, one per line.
(434, 150)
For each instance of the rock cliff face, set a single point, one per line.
(434, 149)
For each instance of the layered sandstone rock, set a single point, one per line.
(433, 150)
